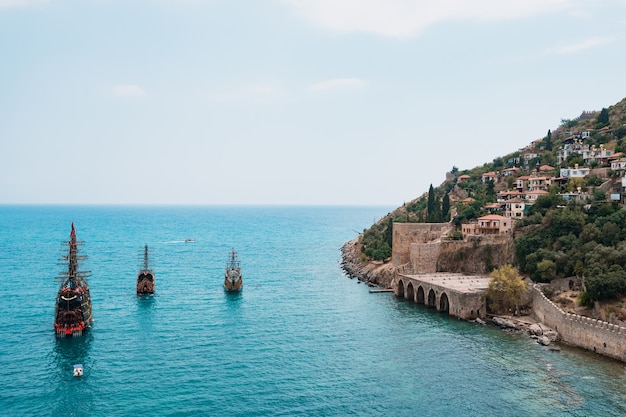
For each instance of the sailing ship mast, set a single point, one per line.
(73, 303)
(145, 277)
(232, 278)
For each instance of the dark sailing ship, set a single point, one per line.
(72, 315)
(232, 278)
(145, 277)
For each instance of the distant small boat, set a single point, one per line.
(233, 281)
(190, 240)
(72, 313)
(145, 277)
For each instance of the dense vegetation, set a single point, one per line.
(556, 238)
(589, 241)
(506, 289)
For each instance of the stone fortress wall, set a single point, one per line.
(424, 248)
(594, 335)
(406, 235)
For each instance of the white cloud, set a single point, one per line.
(581, 46)
(248, 93)
(337, 84)
(128, 90)
(407, 18)
(8, 4)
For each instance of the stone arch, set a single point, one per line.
(420, 295)
(400, 291)
(444, 304)
(432, 298)
(410, 292)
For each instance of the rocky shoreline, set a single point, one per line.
(378, 274)
(527, 324)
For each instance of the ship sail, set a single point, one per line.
(73, 313)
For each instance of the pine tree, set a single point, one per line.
(431, 205)
(603, 117)
(548, 141)
(434, 207)
(445, 208)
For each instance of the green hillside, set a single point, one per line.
(573, 221)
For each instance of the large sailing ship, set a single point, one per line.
(72, 314)
(233, 281)
(145, 277)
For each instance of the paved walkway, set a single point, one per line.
(455, 281)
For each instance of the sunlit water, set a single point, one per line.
(300, 339)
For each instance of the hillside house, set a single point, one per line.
(539, 183)
(529, 155)
(489, 176)
(532, 196)
(509, 171)
(618, 164)
(599, 155)
(576, 172)
(491, 224)
(580, 197)
(515, 208)
(521, 184)
(571, 147)
(507, 195)
(494, 208)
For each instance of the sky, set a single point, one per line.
(287, 102)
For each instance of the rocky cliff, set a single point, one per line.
(372, 272)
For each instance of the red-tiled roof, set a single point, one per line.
(493, 217)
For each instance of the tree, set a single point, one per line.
(490, 191)
(546, 270)
(445, 208)
(507, 290)
(434, 209)
(603, 118)
(548, 141)
(574, 184)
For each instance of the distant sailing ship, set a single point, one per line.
(232, 278)
(72, 314)
(145, 277)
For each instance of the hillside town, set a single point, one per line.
(582, 172)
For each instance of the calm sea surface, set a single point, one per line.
(301, 339)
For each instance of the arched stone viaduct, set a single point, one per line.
(457, 294)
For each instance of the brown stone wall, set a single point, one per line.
(423, 257)
(475, 255)
(404, 234)
(595, 335)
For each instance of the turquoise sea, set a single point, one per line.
(301, 339)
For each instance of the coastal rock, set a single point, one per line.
(552, 335)
(535, 329)
(504, 323)
(544, 340)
